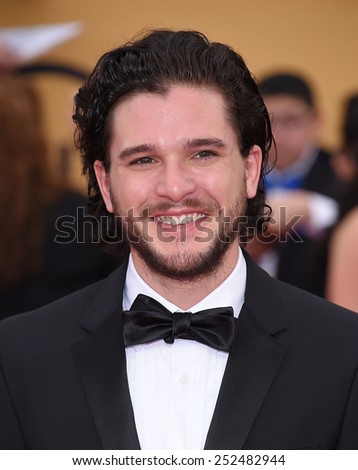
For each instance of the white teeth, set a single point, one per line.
(180, 220)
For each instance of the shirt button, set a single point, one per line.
(184, 378)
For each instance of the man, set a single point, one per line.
(174, 137)
(302, 182)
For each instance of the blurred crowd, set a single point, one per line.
(313, 193)
(35, 206)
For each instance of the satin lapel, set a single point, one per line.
(101, 364)
(252, 365)
(250, 370)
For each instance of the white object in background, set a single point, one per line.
(29, 42)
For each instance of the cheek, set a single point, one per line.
(227, 185)
(130, 192)
(214, 184)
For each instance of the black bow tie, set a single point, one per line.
(149, 321)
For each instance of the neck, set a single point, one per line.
(182, 292)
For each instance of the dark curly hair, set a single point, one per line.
(152, 63)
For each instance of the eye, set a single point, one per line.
(142, 161)
(205, 154)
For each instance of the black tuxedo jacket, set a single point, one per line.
(290, 382)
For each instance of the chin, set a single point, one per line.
(183, 264)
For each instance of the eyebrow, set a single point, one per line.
(128, 152)
(189, 144)
(213, 142)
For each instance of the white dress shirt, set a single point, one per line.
(174, 387)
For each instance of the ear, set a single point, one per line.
(253, 170)
(103, 183)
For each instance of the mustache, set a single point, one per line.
(209, 208)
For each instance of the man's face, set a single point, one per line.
(294, 126)
(178, 179)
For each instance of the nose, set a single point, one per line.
(175, 181)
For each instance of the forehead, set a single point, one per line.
(181, 112)
(180, 95)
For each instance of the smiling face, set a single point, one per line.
(179, 180)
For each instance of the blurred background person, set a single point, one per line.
(34, 269)
(302, 186)
(331, 262)
(8, 58)
(342, 275)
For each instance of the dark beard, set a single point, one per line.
(185, 265)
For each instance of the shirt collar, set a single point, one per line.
(230, 293)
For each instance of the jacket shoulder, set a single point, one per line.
(64, 316)
(317, 315)
(277, 304)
